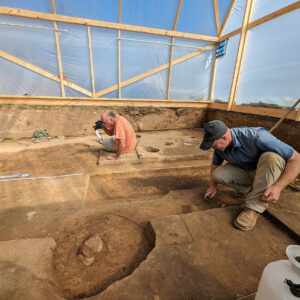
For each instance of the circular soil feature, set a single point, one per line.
(124, 248)
(152, 149)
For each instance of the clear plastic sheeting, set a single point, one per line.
(139, 57)
(236, 17)
(75, 55)
(105, 57)
(149, 13)
(35, 5)
(183, 47)
(30, 43)
(103, 10)
(16, 80)
(152, 87)
(261, 8)
(73, 93)
(270, 70)
(191, 79)
(113, 94)
(224, 71)
(197, 17)
(223, 8)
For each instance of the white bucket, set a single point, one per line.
(272, 285)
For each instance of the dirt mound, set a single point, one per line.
(124, 248)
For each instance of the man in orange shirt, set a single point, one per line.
(123, 138)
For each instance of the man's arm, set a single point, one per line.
(212, 190)
(291, 171)
(108, 130)
(120, 144)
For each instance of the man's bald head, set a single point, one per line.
(108, 117)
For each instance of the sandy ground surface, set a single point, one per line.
(194, 251)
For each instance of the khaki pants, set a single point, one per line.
(269, 168)
(108, 143)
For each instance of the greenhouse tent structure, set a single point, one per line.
(79, 222)
(158, 52)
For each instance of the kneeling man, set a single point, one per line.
(259, 166)
(123, 138)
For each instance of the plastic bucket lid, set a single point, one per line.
(293, 251)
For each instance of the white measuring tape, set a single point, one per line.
(23, 177)
(14, 176)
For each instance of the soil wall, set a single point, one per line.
(19, 122)
(287, 131)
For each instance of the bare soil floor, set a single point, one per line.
(161, 239)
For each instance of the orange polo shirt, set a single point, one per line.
(124, 131)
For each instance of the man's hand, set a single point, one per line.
(210, 193)
(271, 194)
(112, 157)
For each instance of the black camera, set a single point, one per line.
(98, 125)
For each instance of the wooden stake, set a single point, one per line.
(287, 113)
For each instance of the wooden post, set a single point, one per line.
(91, 61)
(240, 53)
(61, 74)
(119, 53)
(212, 80)
(171, 49)
(226, 17)
(298, 115)
(217, 16)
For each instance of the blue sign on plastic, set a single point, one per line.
(221, 48)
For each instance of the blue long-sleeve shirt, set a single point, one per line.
(248, 143)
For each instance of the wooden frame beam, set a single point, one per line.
(264, 19)
(227, 17)
(119, 52)
(61, 74)
(275, 14)
(72, 101)
(40, 71)
(217, 16)
(91, 60)
(256, 110)
(153, 71)
(170, 68)
(53, 7)
(298, 115)
(171, 49)
(239, 56)
(66, 19)
(212, 79)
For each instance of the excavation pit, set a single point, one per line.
(157, 231)
(124, 247)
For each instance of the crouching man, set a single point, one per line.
(258, 166)
(122, 136)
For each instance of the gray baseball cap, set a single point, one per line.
(213, 130)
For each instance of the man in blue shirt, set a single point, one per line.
(258, 164)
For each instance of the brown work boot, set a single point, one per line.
(246, 220)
